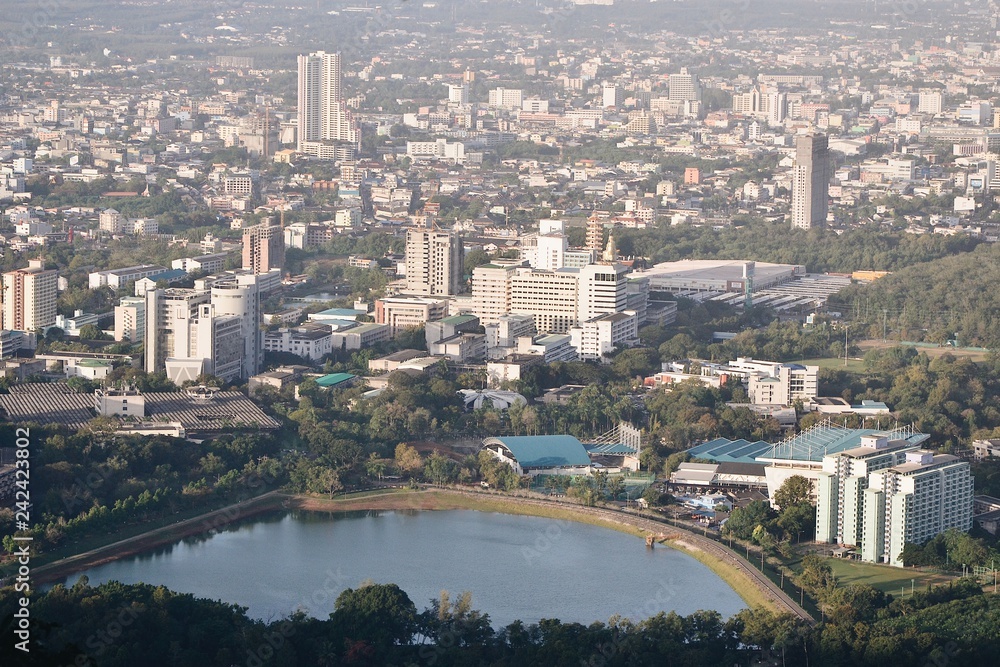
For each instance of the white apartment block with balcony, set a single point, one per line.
(914, 501)
(841, 484)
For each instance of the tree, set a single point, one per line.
(744, 520)
(374, 466)
(408, 458)
(380, 614)
(796, 489)
(616, 487)
(91, 332)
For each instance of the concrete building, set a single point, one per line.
(601, 290)
(130, 319)
(683, 86)
(502, 335)
(440, 149)
(401, 313)
(263, 248)
(358, 337)
(169, 314)
(506, 98)
(434, 263)
(550, 296)
(841, 484)
(323, 117)
(600, 335)
(781, 384)
(310, 341)
(212, 263)
(119, 278)
(491, 292)
(29, 298)
(810, 181)
(911, 502)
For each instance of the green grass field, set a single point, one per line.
(884, 577)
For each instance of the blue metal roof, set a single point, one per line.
(730, 451)
(828, 438)
(544, 451)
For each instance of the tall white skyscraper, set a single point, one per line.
(322, 112)
(810, 181)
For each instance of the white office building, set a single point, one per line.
(600, 335)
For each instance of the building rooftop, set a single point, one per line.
(731, 451)
(827, 438)
(334, 379)
(544, 451)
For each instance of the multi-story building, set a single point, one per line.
(169, 317)
(119, 278)
(600, 335)
(506, 98)
(683, 86)
(29, 298)
(239, 295)
(550, 296)
(458, 94)
(263, 248)
(322, 111)
(401, 313)
(434, 263)
(601, 290)
(841, 484)
(201, 264)
(810, 181)
(363, 335)
(130, 319)
(912, 502)
(310, 341)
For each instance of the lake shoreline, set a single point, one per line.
(749, 591)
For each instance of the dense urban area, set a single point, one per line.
(718, 275)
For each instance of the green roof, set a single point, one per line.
(93, 363)
(458, 319)
(544, 451)
(333, 379)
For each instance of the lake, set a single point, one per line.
(517, 567)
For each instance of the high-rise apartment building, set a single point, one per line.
(29, 298)
(434, 262)
(322, 111)
(263, 248)
(810, 181)
(884, 494)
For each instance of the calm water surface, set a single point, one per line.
(517, 567)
